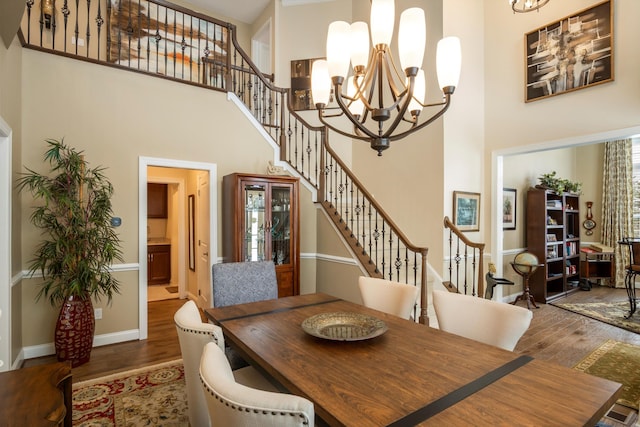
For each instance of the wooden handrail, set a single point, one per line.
(479, 246)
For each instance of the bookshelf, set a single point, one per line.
(553, 235)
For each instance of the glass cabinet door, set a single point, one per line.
(255, 223)
(280, 226)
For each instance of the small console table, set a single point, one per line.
(36, 396)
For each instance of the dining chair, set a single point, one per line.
(239, 283)
(479, 319)
(233, 404)
(193, 335)
(242, 282)
(388, 296)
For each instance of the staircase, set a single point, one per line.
(171, 42)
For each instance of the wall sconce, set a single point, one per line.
(47, 8)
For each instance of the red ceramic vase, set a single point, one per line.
(74, 330)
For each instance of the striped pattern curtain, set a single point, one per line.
(617, 201)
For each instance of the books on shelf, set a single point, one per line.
(571, 248)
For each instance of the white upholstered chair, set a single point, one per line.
(491, 322)
(233, 404)
(388, 296)
(193, 335)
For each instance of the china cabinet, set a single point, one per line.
(260, 221)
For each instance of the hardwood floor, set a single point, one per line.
(555, 334)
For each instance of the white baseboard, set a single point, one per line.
(48, 349)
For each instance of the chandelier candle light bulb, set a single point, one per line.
(364, 78)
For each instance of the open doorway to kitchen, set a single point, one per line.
(169, 212)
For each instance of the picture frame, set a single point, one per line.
(301, 84)
(466, 210)
(551, 238)
(509, 205)
(192, 231)
(572, 53)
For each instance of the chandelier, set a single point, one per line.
(375, 78)
(524, 6)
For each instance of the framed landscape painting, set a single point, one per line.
(570, 54)
(509, 208)
(466, 211)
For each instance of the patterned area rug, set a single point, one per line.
(612, 313)
(150, 396)
(619, 362)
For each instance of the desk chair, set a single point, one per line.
(480, 319)
(232, 404)
(193, 335)
(632, 270)
(388, 296)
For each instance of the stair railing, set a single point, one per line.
(465, 263)
(158, 38)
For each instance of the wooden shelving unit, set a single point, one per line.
(553, 235)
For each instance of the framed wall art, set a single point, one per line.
(192, 231)
(301, 84)
(509, 200)
(466, 211)
(570, 54)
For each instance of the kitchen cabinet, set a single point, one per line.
(260, 221)
(158, 264)
(157, 202)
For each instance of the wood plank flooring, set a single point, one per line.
(555, 334)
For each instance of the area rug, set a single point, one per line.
(150, 396)
(608, 312)
(620, 362)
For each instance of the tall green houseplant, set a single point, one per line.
(74, 215)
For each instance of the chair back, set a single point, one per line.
(242, 282)
(388, 296)
(633, 244)
(233, 404)
(491, 322)
(193, 335)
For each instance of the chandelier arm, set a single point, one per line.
(350, 116)
(425, 123)
(524, 9)
(343, 133)
(408, 94)
(392, 76)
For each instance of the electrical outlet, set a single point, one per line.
(80, 42)
(97, 313)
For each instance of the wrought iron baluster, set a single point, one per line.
(99, 22)
(29, 6)
(88, 35)
(136, 33)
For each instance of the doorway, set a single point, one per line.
(497, 179)
(181, 181)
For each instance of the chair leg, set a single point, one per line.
(630, 284)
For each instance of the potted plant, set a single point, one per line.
(79, 244)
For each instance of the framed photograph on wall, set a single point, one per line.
(509, 201)
(570, 54)
(466, 211)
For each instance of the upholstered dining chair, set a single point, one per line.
(242, 282)
(239, 283)
(479, 319)
(388, 296)
(233, 404)
(193, 335)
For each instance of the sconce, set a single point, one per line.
(47, 8)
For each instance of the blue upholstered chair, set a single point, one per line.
(242, 282)
(239, 283)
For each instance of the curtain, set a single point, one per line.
(617, 201)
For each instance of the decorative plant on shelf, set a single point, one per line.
(79, 244)
(558, 185)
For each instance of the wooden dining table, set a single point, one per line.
(409, 375)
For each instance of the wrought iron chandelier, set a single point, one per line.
(376, 79)
(524, 6)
